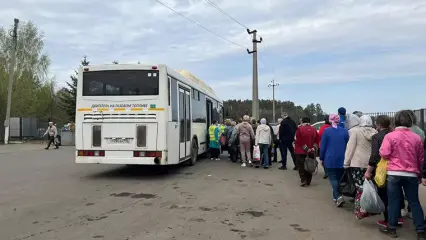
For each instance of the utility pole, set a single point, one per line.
(255, 96)
(273, 84)
(11, 78)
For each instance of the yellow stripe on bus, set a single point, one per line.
(84, 109)
(156, 109)
(103, 109)
(136, 109)
(119, 109)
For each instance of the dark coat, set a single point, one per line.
(287, 130)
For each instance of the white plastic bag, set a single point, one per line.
(256, 153)
(370, 200)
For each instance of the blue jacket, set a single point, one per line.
(333, 147)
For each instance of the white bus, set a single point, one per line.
(142, 115)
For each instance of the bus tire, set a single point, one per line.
(194, 153)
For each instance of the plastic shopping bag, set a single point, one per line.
(381, 171)
(256, 153)
(370, 200)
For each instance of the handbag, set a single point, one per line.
(347, 184)
(311, 164)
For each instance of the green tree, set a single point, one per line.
(31, 72)
(68, 95)
(237, 108)
(310, 110)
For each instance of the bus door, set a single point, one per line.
(184, 123)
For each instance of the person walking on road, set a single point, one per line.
(270, 153)
(326, 125)
(246, 134)
(232, 142)
(404, 151)
(306, 144)
(287, 133)
(276, 138)
(264, 140)
(214, 141)
(332, 155)
(52, 133)
(357, 156)
(383, 123)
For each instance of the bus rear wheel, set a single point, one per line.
(194, 153)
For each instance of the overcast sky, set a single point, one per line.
(367, 55)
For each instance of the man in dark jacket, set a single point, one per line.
(286, 134)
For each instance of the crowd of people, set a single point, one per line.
(348, 146)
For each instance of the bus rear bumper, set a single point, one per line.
(124, 160)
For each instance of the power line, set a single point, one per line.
(201, 26)
(225, 13)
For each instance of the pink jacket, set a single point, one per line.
(404, 150)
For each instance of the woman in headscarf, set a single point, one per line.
(357, 156)
(246, 134)
(305, 145)
(326, 125)
(332, 155)
(264, 140)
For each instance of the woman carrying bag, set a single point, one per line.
(383, 127)
(306, 145)
(333, 147)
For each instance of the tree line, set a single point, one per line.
(35, 93)
(235, 109)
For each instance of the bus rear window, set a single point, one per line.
(121, 83)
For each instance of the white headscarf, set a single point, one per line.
(353, 121)
(365, 121)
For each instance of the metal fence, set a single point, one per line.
(420, 117)
(296, 116)
(25, 129)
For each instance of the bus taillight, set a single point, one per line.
(91, 153)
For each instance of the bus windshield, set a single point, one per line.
(121, 83)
